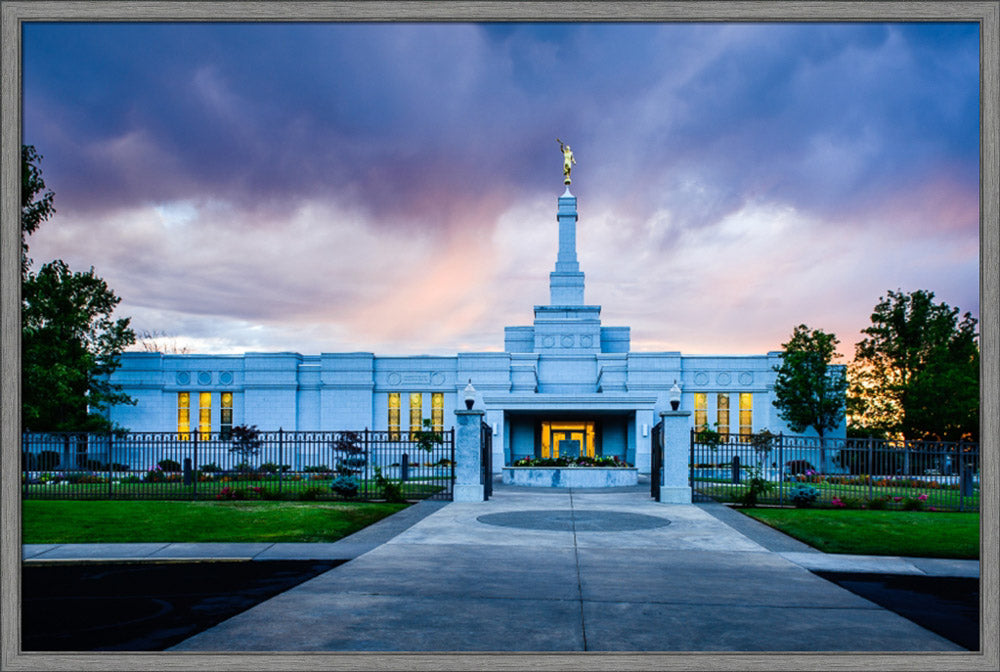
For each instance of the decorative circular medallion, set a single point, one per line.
(746, 378)
(183, 378)
(226, 377)
(723, 379)
(393, 379)
(548, 341)
(701, 378)
(437, 378)
(566, 340)
(204, 378)
(586, 341)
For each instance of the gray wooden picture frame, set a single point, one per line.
(985, 13)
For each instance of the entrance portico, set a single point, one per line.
(550, 425)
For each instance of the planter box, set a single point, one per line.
(571, 477)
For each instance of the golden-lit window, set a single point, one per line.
(722, 414)
(394, 416)
(437, 411)
(700, 411)
(183, 416)
(416, 411)
(204, 415)
(226, 415)
(746, 415)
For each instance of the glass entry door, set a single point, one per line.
(568, 439)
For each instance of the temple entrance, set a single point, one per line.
(568, 439)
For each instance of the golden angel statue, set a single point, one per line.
(568, 160)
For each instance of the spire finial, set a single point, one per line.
(568, 161)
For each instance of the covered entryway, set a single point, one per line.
(568, 439)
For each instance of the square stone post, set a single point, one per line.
(468, 456)
(674, 488)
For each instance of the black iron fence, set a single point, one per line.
(352, 465)
(850, 473)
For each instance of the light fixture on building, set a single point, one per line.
(675, 396)
(496, 429)
(470, 395)
(645, 429)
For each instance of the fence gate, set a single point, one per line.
(656, 460)
(486, 463)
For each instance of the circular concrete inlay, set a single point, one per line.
(579, 521)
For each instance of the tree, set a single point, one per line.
(916, 374)
(70, 344)
(246, 444)
(36, 202)
(809, 390)
(159, 341)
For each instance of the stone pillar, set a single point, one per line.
(468, 456)
(674, 488)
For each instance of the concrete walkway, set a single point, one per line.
(544, 570)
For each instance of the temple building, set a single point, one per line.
(563, 385)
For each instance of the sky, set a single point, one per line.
(392, 188)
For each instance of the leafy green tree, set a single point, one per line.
(70, 343)
(246, 442)
(916, 374)
(36, 202)
(809, 389)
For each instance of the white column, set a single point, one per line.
(468, 456)
(674, 488)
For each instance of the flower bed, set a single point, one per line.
(580, 472)
(584, 461)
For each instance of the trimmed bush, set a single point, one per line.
(803, 495)
(345, 486)
(169, 465)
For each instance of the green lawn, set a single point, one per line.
(942, 499)
(903, 533)
(413, 488)
(68, 522)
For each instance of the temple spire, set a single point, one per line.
(566, 282)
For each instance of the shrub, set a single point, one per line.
(231, 493)
(311, 494)
(315, 469)
(169, 465)
(799, 467)
(878, 503)
(803, 496)
(258, 492)
(345, 486)
(155, 476)
(915, 503)
(211, 467)
(757, 485)
(48, 459)
(391, 492)
(92, 478)
(852, 502)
